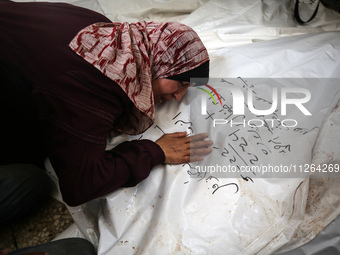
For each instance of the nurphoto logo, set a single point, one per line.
(239, 104)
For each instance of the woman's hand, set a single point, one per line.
(178, 148)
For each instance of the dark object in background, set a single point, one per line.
(331, 4)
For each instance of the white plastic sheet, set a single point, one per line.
(171, 213)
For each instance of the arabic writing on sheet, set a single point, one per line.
(240, 144)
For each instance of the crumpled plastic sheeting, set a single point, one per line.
(327, 242)
(150, 10)
(171, 213)
(304, 56)
(228, 23)
(323, 203)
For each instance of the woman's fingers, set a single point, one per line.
(178, 148)
(198, 137)
(200, 144)
(200, 151)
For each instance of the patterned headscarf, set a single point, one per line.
(135, 54)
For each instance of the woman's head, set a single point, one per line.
(136, 55)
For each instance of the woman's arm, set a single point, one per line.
(86, 171)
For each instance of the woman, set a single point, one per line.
(84, 78)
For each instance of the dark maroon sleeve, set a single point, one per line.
(86, 171)
(126, 165)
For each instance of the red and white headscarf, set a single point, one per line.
(135, 54)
